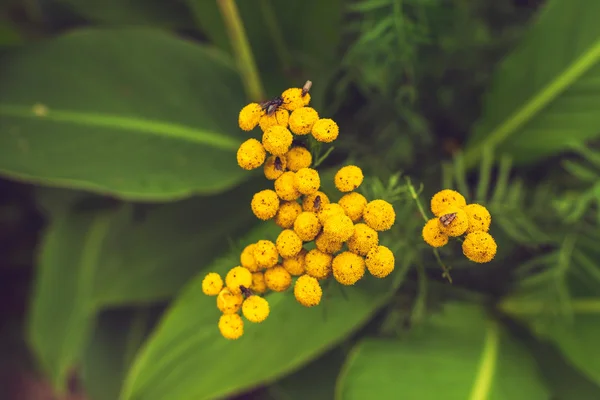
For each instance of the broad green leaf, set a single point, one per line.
(133, 113)
(460, 354)
(544, 95)
(187, 358)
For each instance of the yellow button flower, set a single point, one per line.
(348, 268)
(363, 239)
(307, 180)
(231, 326)
(354, 205)
(265, 204)
(275, 167)
(287, 214)
(280, 117)
(348, 178)
(453, 222)
(479, 247)
(249, 116)
(302, 120)
(297, 158)
(309, 202)
(329, 210)
(277, 140)
(307, 291)
(380, 261)
(236, 277)
(293, 99)
(247, 258)
(327, 244)
(432, 235)
(318, 264)
(307, 226)
(479, 218)
(212, 284)
(278, 279)
(255, 309)
(259, 286)
(339, 227)
(228, 302)
(444, 199)
(285, 186)
(265, 254)
(379, 215)
(325, 130)
(251, 154)
(288, 243)
(295, 265)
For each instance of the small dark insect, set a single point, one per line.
(278, 164)
(245, 291)
(270, 106)
(317, 203)
(447, 219)
(306, 88)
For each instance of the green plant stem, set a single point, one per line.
(276, 34)
(242, 51)
(323, 157)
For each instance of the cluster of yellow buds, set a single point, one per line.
(454, 218)
(319, 238)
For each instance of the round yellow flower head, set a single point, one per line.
(236, 277)
(287, 214)
(302, 120)
(479, 218)
(212, 284)
(363, 239)
(288, 243)
(479, 247)
(265, 204)
(231, 326)
(380, 261)
(293, 99)
(265, 254)
(354, 205)
(228, 302)
(307, 291)
(285, 187)
(297, 158)
(255, 309)
(327, 244)
(278, 279)
(251, 154)
(379, 215)
(329, 210)
(295, 265)
(325, 130)
(453, 222)
(279, 117)
(339, 227)
(432, 235)
(444, 199)
(348, 178)
(308, 202)
(259, 286)
(318, 264)
(275, 167)
(249, 116)
(348, 268)
(247, 258)
(277, 140)
(307, 181)
(307, 226)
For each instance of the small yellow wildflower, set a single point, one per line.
(255, 309)
(329, 210)
(231, 326)
(348, 178)
(456, 226)
(297, 158)
(302, 120)
(251, 154)
(307, 180)
(277, 140)
(285, 187)
(228, 302)
(212, 284)
(379, 215)
(295, 265)
(307, 291)
(339, 227)
(274, 169)
(348, 268)
(354, 205)
(325, 130)
(259, 286)
(479, 247)
(249, 116)
(432, 235)
(307, 226)
(444, 199)
(287, 214)
(279, 117)
(288, 243)
(308, 202)
(318, 264)
(479, 218)
(265, 254)
(247, 258)
(327, 244)
(265, 204)
(278, 279)
(380, 261)
(363, 239)
(293, 99)
(236, 277)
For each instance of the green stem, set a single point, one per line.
(242, 51)
(323, 157)
(276, 34)
(415, 197)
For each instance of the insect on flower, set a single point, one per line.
(317, 203)
(270, 106)
(245, 291)
(278, 164)
(447, 219)
(306, 88)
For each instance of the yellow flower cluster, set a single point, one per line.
(453, 218)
